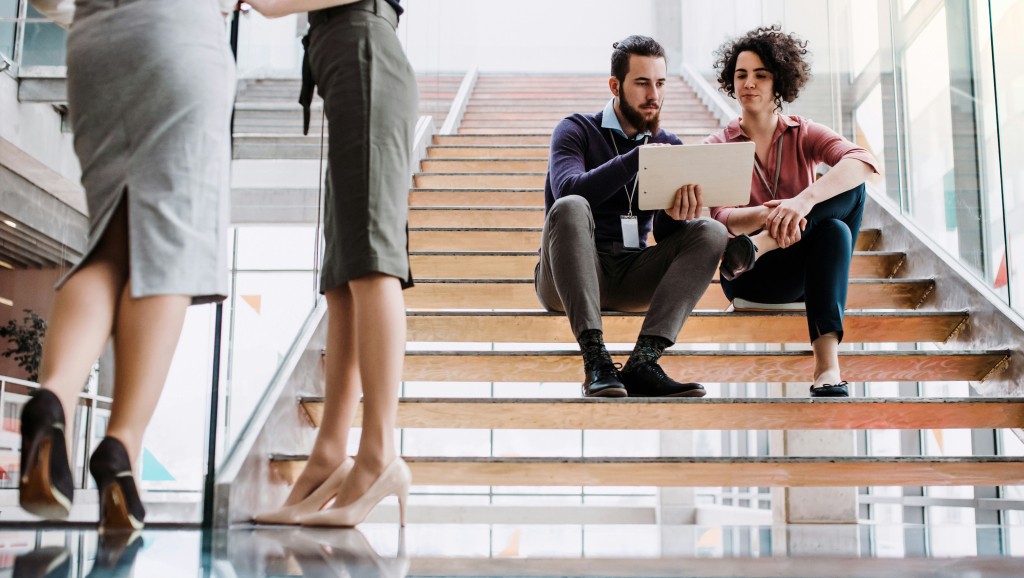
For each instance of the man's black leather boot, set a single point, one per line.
(602, 380)
(649, 380)
(601, 377)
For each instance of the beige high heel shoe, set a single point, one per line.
(314, 502)
(393, 481)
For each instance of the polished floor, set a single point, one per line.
(473, 550)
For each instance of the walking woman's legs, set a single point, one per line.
(83, 317)
(380, 330)
(341, 395)
(146, 333)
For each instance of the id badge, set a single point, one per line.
(630, 232)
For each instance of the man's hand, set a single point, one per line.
(786, 219)
(688, 203)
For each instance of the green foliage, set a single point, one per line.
(26, 342)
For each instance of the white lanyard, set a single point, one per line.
(636, 179)
(773, 191)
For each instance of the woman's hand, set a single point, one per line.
(688, 203)
(786, 219)
(267, 8)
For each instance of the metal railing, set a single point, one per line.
(14, 392)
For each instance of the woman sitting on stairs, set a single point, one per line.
(794, 241)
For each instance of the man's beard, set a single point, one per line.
(636, 118)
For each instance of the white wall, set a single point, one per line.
(706, 25)
(496, 35)
(35, 129)
(520, 36)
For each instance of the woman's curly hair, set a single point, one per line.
(782, 54)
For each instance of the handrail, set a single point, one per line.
(424, 135)
(720, 107)
(458, 107)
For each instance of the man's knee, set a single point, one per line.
(570, 208)
(711, 234)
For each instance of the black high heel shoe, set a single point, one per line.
(120, 505)
(47, 487)
(48, 562)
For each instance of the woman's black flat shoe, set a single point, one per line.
(47, 487)
(739, 257)
(831, 390)
(120, 504)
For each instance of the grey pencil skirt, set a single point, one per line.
(150, 91)
(370, 101)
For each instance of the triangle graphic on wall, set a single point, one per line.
(254, 301)
(153, 470)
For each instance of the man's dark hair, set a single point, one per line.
(635, 44)
(782, 54)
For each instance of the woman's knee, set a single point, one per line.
(832, 232)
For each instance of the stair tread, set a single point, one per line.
(703, 471)
(487, 293)
(538, 326)
(1014, 404)
(699, 413)
(473, 264)
(519, 238)
(703, 366)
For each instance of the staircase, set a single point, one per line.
(473, 319)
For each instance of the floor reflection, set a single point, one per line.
(479, 550)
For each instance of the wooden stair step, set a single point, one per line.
(479, 197)
(583, 94)
(549, 119)
(479, 180)
(520, 239)
(701, 327)
(491, 140)
(509, 111)
(773, 560)
(539, 152)
(478, 165)
(700, 413)
(682, 132)
(520, 294)
(585, 101)
(703, 472)
(491, 265)
(483, 217)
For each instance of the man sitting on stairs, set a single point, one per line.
(594, 253)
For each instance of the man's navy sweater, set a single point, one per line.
(583, 162)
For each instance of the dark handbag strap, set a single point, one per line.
(308, 85)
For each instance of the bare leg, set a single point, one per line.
(341, 396)
(146, 334)
(764, 243)
(826, 359)
(83, 318)
(380, 328)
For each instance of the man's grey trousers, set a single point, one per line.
(581, 277)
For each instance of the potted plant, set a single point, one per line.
(26, 342)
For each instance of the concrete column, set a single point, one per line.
(676, 506)
(811, 505)
(668, 31)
